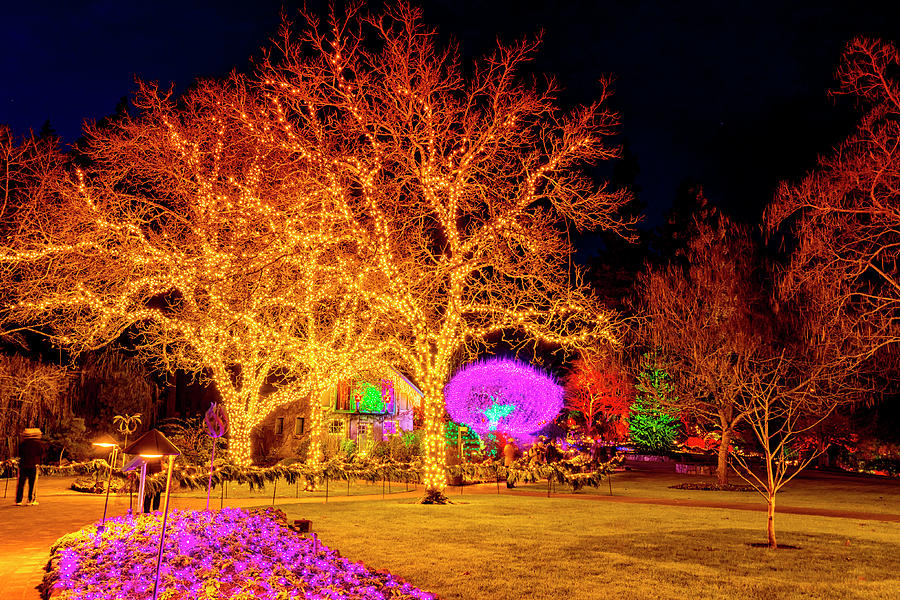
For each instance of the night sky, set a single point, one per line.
(731, 94)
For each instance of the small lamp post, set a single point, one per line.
(138, 463)
(107, 441)
(154, 444)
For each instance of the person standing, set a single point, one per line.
(509, 458)
(30, 454)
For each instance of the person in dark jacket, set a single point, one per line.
(31, 452)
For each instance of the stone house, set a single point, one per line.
(365, 409)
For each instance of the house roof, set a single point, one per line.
(408, 382)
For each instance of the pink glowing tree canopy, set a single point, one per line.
(501, 394)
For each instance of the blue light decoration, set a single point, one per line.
(502, 394)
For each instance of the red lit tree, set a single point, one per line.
(601, 390)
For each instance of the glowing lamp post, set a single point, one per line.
(107, 442)
(154, 444)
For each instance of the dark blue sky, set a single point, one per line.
(732, 94)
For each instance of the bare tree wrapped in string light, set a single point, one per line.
(503, 395)
(363, 194)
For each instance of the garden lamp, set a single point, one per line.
(107, 441)
(154, 444)
(138, 463)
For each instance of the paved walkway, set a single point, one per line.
(26, 533)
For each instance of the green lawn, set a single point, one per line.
(810, 489)
(510, 547)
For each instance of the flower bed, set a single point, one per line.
(229, 554)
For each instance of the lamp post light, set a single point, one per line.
(138, 463)
(107, 441)
(154, 444)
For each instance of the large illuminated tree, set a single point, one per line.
(28, 168)
(845, 214)
(216, 254)
(461, 181)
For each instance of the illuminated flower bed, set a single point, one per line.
(230, 554)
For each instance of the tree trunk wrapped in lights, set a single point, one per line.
(461, 184)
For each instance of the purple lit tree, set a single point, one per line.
(503, 395)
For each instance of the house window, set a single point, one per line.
(279, 425)
(299, 425)
(337, 427)
(342, 400)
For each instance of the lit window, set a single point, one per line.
(337, 427)
(299, 425)
(279, 425)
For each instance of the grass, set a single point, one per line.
(510, 547)
(810, 489)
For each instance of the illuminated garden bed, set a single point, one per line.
(228, 554)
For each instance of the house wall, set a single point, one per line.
(276, 438)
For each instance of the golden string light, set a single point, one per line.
(344, 208)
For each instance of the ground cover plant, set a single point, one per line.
(228, 554)
(493, 547)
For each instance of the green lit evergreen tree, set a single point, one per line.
(653, 427)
